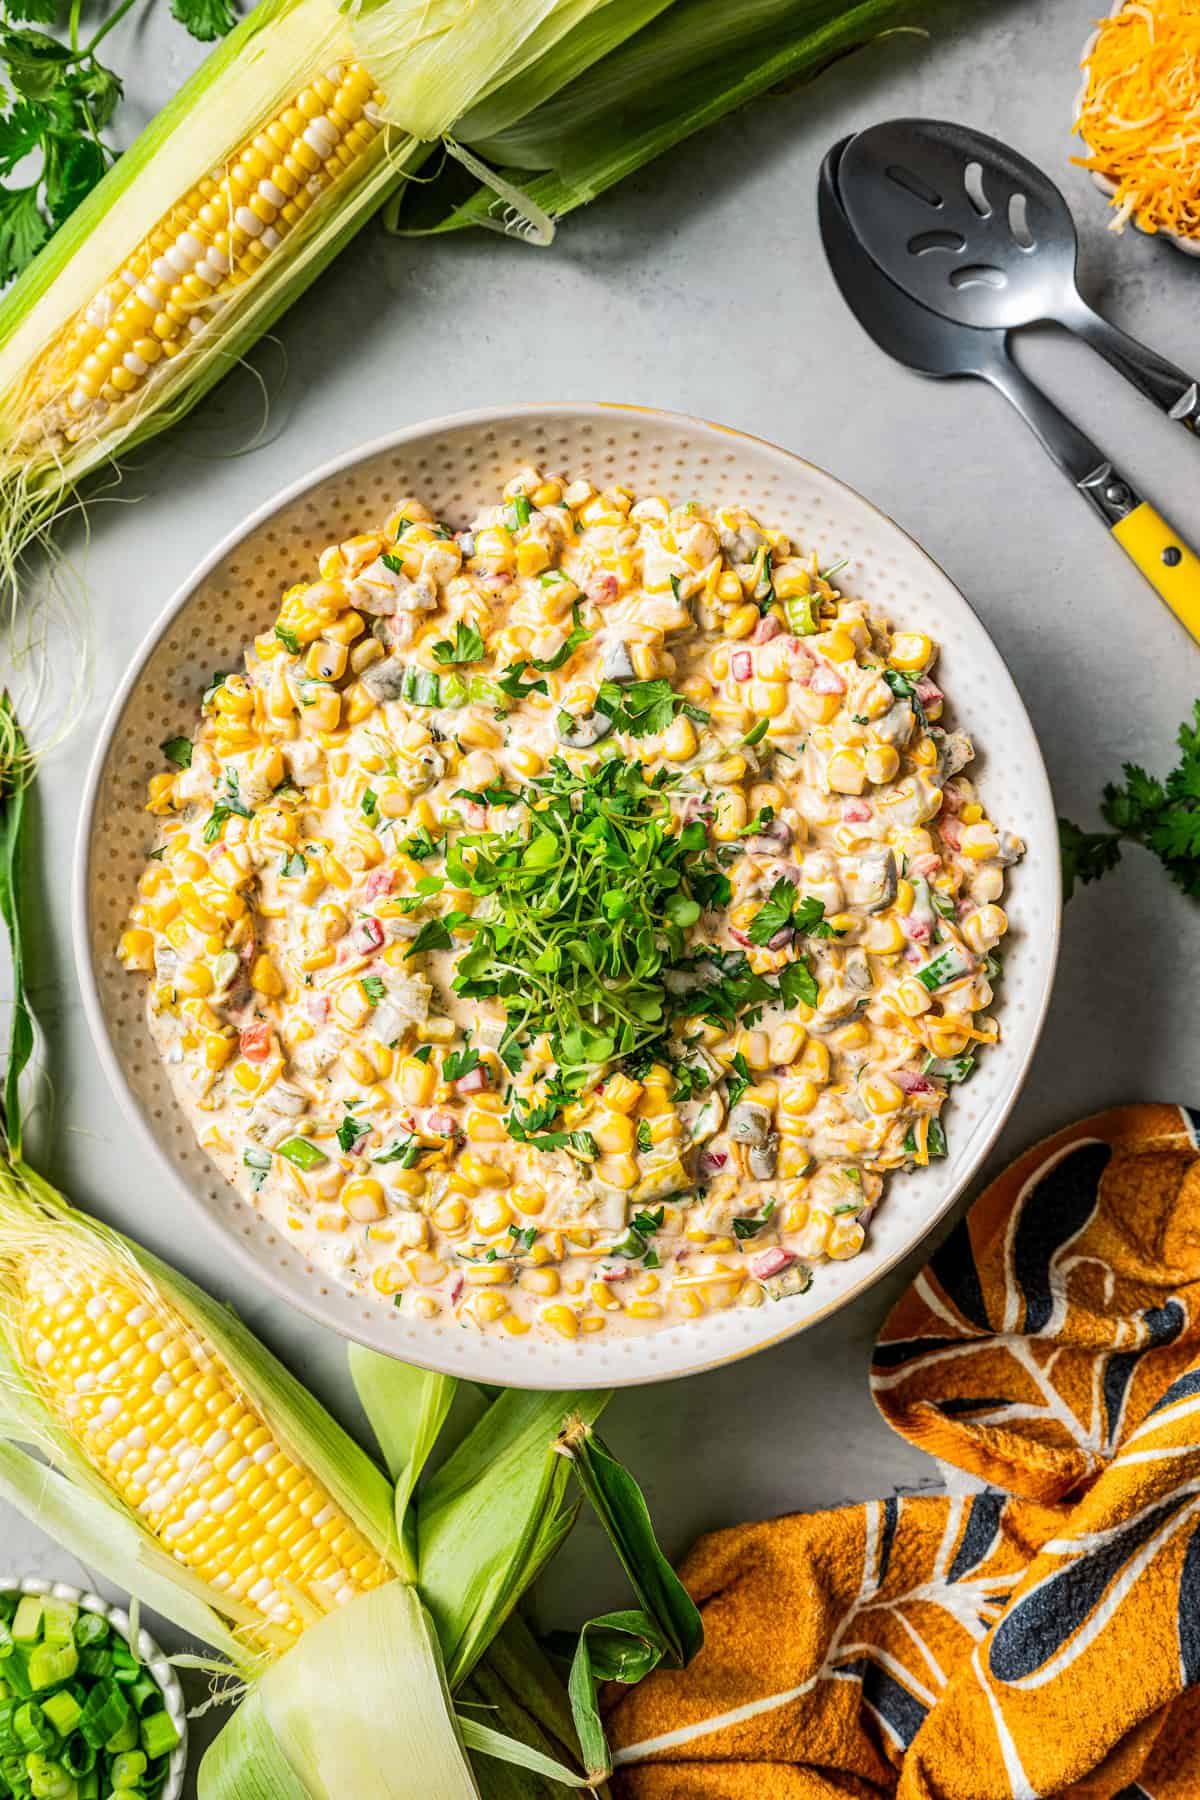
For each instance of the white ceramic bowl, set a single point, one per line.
(456, 465)
(1189, 245)
(152, 1658)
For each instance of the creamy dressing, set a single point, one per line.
(423, 699)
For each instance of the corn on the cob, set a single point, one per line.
(181, 278)
(160, 1415)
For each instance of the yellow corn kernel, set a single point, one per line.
(363, 1199)
(247, 1078)
(814, 1061)
(883, 762)
(357, 704)
(561, 1319)
(136, 950)
(352, 1008)
(768, 699)
(985, 928)
(389, 1278)
(482, 1173)
(613, 1133)
(905, 896)
(480, 734)
(492, 1214)
(618, 1171)
(912, 997)
(846, 772)
(265, 977)
(978, 842)
(484, 1128)
(946, 1038)
(217, 1049)
(742, 620)
(679, 740)
(730, 816)
(525, 760)
(621, 1094)
(911, 650)
(416, 1081)
(882, 1095)
(532, 557)
(787, 1041)
(194, 981)
(797, 1098)
(602, 1296)
(854, 1036)
(487, 1308)
(755, 1047)
(971, 815)
(794, 1216)
(729, 769)
(514, 1324)
(838, 646)
(793, 1159)
(846, 1239)
(644, 1309)
(883, 936)
(359, 1065)
(497, 1274)
(541, 1281)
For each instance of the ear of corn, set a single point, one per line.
(227, 1465)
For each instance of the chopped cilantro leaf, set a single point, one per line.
(467, 646)
(373, 987)
(178, 750)
(350, 1130)
(288, 639)
(748, 1228)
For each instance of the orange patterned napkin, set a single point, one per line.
(1043, 1640)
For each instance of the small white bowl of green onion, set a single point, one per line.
(85, 1713)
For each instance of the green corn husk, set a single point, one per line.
(598, 118)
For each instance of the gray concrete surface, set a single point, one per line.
(701, 285)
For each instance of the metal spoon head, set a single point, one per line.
(961, 222)
(907, 331)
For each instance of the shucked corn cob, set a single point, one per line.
(161, 1416)
(189, 270)
(277, 1520)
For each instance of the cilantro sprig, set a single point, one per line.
(784, 909)
(1162, 815)
(643, 708)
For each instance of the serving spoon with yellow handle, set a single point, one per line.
(936, 346)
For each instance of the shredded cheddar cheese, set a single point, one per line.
(1140, 116)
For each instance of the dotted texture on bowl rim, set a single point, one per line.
(456, 466)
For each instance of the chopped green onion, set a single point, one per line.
(33, 1728)
(27, 1621)
(159, 1734)
(50, 1664)
(302, 1153)
(947, 967)
(63, 1711)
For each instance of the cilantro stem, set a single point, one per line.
(114, 18)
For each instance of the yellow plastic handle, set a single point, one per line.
(1165, 561)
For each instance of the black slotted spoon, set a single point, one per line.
(935, 345)
(976, 232)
